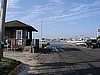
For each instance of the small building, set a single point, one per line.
(18, 33)
(98, 32)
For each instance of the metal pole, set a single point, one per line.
(41, 30)
(41, 35)
(2, 23)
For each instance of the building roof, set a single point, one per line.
(19, 24)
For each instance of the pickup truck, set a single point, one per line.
(92, 43)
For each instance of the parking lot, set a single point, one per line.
(68, 60)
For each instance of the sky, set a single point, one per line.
(60, 18)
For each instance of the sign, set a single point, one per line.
(98, 34)
(98, 30)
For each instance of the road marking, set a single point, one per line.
(62, 50)
(56, 49)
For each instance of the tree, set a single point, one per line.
(98, 37)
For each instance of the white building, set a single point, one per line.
(98, 32)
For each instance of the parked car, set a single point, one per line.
(92, 43)
(98, 43)
(81, 43)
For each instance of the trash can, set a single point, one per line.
(1, 49)
(35, 45)
(35, 49)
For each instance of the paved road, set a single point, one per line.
(63, 60)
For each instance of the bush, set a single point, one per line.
(7, 65)
(98, 37)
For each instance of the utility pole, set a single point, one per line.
(41, 30)
(41, 33)
(2, 23)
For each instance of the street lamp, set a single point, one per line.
(41, 30)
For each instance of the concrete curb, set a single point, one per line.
(15, 69)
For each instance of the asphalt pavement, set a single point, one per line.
(63, 60)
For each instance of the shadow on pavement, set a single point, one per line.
(72, 49)
(41, 50)
(63, 68)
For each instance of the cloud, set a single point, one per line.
(55, 1)
(75, 15)
(96, 2)
(78, 7)
(44, 11)
(38, 9)
(34, 12)
(56, 10)
(78, 11)
(13, 4)
(85, 15)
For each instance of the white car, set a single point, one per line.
(81, 43)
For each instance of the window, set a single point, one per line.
(18, 34)
(28, 35)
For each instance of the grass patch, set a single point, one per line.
(7, 65)
(71, 43)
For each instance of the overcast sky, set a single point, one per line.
(60, 18)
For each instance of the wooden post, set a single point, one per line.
(11, 44)
(2, 23)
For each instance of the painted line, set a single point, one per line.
(62, 50)
(53, 49)
(56, 49)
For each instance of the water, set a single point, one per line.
(55, 44)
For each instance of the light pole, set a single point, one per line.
(2, 23)
(42, 28)
(41, 31)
